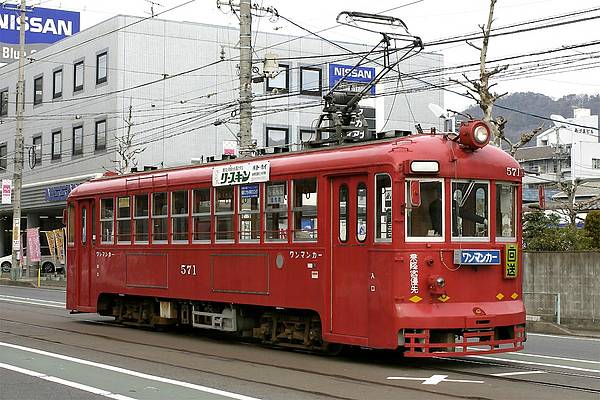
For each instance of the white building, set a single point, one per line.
(180, 81)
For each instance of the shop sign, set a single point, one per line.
(59, 193)
(6, 191)
(236, 174)
(356, 80)
(511, 268)
(33, 244)
(249, 191)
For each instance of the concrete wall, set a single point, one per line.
(575, 275)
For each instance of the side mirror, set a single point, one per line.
(415, 193)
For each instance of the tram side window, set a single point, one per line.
(71, 225)
(470, 204)
(140, 218)
(201, 215)
(343, 213)
(159, 217)
(179, 215)
(276, 201)
(107, 224)
(305, 209)
(425, 219)
(224, 209)
(383, 208)
(123, 220)
(361, 212)
(505, 210)
(249, 212)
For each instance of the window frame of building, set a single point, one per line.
(3, 156)
(100, 145)
(268, 129)
(301, 211)
(201, 215)
(595, 163)
(102, 79)
(284, 68)
(107, 215)
(75, 151)
(38, 83)
(37, 148)
(311, 91)
(57, 93)
(54, 155)
(4, 102)
(78, 88)
(302, 131)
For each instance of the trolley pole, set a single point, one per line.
(19, 144)
(246, 147)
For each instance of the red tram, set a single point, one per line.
(411, 242)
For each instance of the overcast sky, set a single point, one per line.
(429, 19)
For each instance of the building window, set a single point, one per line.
(383, 208)
(77, 140)
(37, 149)
(305, 209)
(249, 212)
(596, 163)
(101, 68)
(57, 84)
(310, 81)
(123, 220)
(277, 137)
(3, 157)
(56, 145)
(280, 83)
(4, 103)
(276, 206)
(140, 218)
(78, 71)
(38, 90)
(306, 135)
(201, 215)
(100, 135)
(159, 217)
(107, 211)
(179, 215)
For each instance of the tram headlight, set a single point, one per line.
(474, 134)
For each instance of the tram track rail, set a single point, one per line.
(380, 362)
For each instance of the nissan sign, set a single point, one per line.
(43, 26)
(356, 78)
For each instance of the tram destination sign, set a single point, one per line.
(237, 174)
(477, 257)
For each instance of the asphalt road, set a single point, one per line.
(46, 353)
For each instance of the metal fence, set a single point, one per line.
(546, 306)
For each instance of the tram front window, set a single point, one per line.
(424, 219)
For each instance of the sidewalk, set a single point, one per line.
(45, 282)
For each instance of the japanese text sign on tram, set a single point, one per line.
(511, 268)
(477, 257)
(237, 174)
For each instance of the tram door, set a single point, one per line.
(85, 245)
(349, 255)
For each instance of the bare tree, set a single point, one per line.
(480, 91)
(127, 151)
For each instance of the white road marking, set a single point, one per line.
(536, 363)
(519, 373)
(432, 380)
(564, 337)
(141, 375)
(32, 303)
(30, 299)
(65, 382)
(557, 358)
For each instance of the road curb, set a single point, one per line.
(56, 285)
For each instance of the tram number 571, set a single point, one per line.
(187, 269)
(513, 171)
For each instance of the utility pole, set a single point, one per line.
(245, 79)
(19, 145)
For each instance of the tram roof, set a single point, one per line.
(393, 152)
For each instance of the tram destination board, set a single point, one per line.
(477, 257)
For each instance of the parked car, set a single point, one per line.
(47, 263)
